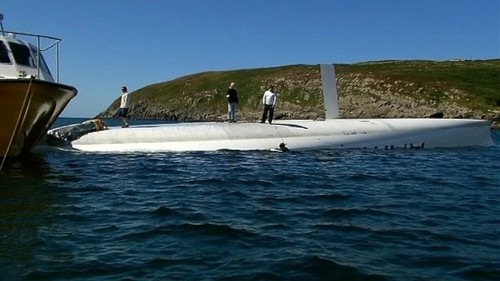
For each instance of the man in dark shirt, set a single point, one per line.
(232, 102)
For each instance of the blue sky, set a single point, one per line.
(110, 43)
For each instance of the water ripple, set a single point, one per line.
(229, 215)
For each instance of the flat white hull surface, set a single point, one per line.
(296, 134)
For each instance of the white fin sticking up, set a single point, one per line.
(330, 91)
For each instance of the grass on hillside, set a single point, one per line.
(479, 81)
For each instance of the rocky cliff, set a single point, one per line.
(395, 89)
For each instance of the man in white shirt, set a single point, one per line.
(269, 101)
(124, 104)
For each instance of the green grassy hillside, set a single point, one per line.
(479, 79)
(371, 89)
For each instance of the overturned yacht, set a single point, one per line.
(284, 135)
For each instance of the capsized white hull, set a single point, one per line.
(296, 134)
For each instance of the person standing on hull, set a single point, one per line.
(269, 101)
(124, 105)
(232, 102)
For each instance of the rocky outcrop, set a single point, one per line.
(366, 97)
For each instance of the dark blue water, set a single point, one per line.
(431, 214)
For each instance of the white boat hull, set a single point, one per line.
(296, 134)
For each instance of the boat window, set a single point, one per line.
(4, 53)
(22, 54)
(43, 65)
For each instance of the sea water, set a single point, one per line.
(428, 214)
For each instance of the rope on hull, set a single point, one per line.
(24, 108)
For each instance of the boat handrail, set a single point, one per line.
(55, 42)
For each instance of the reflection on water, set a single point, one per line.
(28, 166)
(27, 201)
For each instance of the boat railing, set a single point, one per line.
(53, 42)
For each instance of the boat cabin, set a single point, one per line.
(21, 59)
